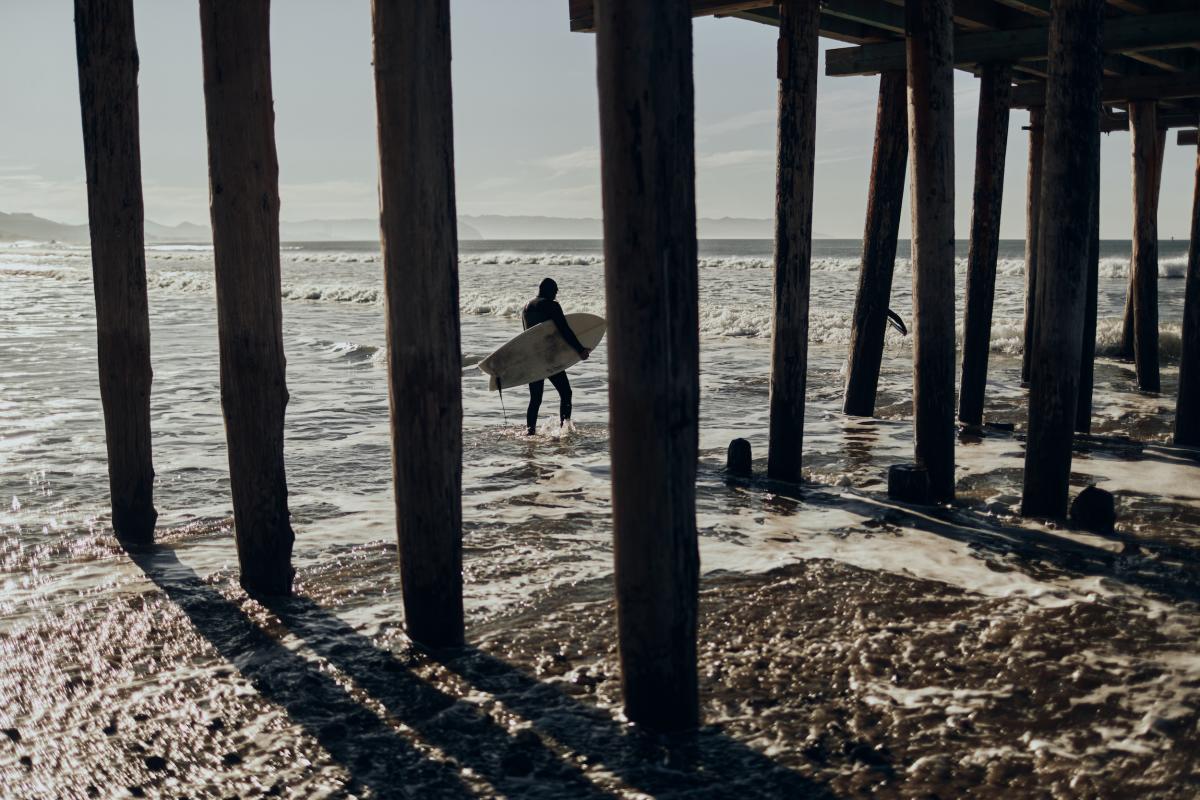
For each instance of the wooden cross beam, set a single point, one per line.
(1188, 138)
(1139, 87)
(1121, 35)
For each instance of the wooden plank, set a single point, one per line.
(420, 269)
(991, 143)
(1121, 35)
(797, 69)
(1166, 120)
(1146, 174)
(106, 51)
(1068, 170)
(1138, 87)
(874, 13)
(930, 65)
(1188, 138)
(1187, 402)
(1033, 204)
(648, 177)
(243, 175)
(884, 200)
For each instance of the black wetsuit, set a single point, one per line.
(538, 310)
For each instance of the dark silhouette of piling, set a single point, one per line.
(1187, 404)
(1033, 205)
(244, 203)
(1087, 353)
(930, 54)
(799, 21)
(991, 142)
(1069, 173)
(739, 459)
(1146, 142)
(107, 56)
(884, 200)
(644, 70)
(418, 229)
(1127, 347)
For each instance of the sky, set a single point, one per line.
(525, 118)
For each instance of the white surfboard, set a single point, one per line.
(540, 352)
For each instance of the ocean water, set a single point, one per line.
(112, 660)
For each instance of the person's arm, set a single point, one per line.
(560, 321)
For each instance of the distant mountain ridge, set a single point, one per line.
(18, 226)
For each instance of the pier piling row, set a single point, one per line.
(1064, 60)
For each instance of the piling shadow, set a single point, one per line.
(1172, 573)
(706, 763)
(542, 760)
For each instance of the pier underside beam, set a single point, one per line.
(1069, 173)
(991, 143)
(244, 204)
(418, 231)
(931, 142)
(884, 201)
(647, 142)
(108, 100)
(1187, 404)
(798, 70)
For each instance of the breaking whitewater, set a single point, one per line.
(848, 645)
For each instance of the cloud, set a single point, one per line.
(738, 122)
(584, 158)
(733, 158)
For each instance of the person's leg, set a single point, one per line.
(563, 386)
(535, 402)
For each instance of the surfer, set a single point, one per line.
(541, 309)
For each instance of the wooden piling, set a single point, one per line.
(418, 229)
(797, 69)
(1087, 353)
(1144, 133)
(1126, 347)
(106, 52)
(1033, 203)
(244, 203)
(930, 51)
(884, 202)
(1069, 175)
(644, 70)
(991, 143)
(1187, 403)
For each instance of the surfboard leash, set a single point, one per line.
(500, 388)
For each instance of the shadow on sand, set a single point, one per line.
(543, 760)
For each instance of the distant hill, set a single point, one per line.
(15, 227)
(498, 226)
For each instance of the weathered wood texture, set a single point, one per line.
(1069, 175)
(1187, 404)
(244, 203)
(420, 262)
(1087, 354)
(1033, 203)
(931, 142)
(1127, 349)
(647, 141)
(991, 144)
(884, 201)
(1146, 173)
(797, 72)
(108, 100)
